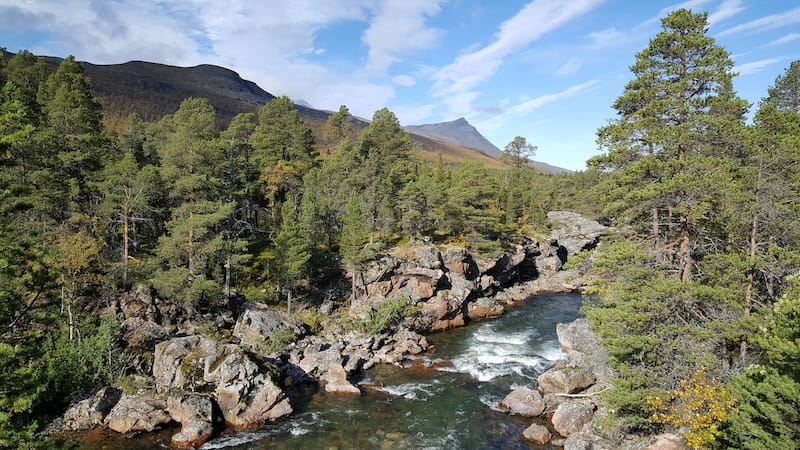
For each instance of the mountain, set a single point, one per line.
(459, 132)
(153, 90)
(462, 133)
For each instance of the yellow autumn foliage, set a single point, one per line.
(700, 404)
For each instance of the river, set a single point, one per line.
(426, 406)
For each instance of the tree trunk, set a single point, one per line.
(125, 250)
(686, 258)
(289, 302)
(228, 276)
(656, 239)
(191, 248)
(748, 296)
(353, 287)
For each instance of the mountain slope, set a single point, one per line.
(153, 90)
(459, 132)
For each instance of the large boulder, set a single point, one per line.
(245, 390)
(537, 433)
(573, 231)
(137, 413)
(566, 380)
(249, 401)
(484, 308)
(91, 412)
(571, 416)
(524, 401)
(336, 382)
(195, 413)
(258, 323)
(459, 262)
(576, 336)
(142, 334)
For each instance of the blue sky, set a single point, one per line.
(547, 70)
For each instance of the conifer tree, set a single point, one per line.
(353, 242)
(676, 125)
(292, 252)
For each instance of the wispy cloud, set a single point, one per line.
(404, 80)
(568, 68)
(726, 10)
(690, 4)
(755, 66)
(766, 23)
(458, 80)
(528, 106)
(791, 37)
(606, 38)
(399, 28)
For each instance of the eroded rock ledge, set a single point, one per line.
(237, 380)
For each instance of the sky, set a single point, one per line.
(547, 70)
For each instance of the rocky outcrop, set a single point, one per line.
(257, 323)
(195, 413)
(573, 231)
(91, 412)
(142, 334)
(244, 389)
(137, 413)
(566, 380)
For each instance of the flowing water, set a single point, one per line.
(432, 405)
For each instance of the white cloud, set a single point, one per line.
(569, 67)
(397, 29)
(404, 80)
(607, 38)
(755, 66)
(726, 10)
(531, 105)
(413, 114)
(766, 23)
(791, 37)
(456, 81)
(690, 4)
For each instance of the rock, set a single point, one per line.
(337, 383)
(573, 231)
(571, 416)
(459, 262)
(537, 433)
(524, 401)
(316, 363)
(142, 334)
(484, 308)
(180, 362)
(667, 441)
(137, 413)
(258, 323)
(195, 413)
(579, 441)
(548, 265)
(91, 412)
(251, 401)
(576, 336)
(566, 380)
(427, 256)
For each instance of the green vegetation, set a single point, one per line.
(693, 302)
(694, 299)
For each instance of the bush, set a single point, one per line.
(389, 315)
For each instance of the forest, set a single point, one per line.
(696, 297)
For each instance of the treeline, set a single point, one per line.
(202, 215)
(698, 305)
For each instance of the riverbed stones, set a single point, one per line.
(336, 382)
(524, 401)
(537, 433)
(137, 413)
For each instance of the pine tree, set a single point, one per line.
(352, 244)
(676, 126)
(292, 252)
(518, 152)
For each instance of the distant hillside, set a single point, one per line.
(153, 90)
(459, 132)
(462, 133)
